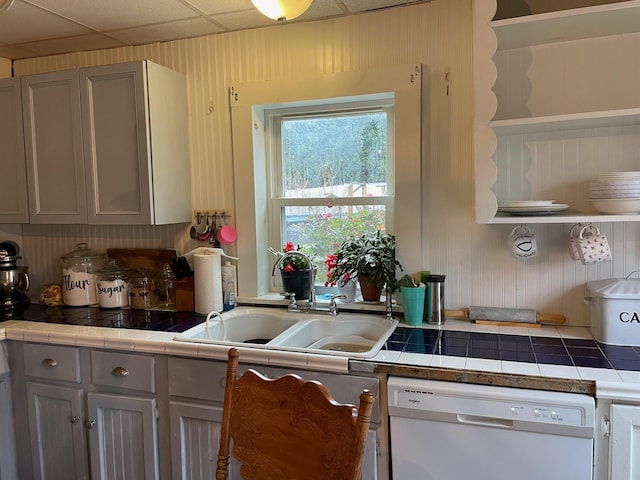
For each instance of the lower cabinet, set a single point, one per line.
(90, 414)
(624, 454)
(123, 439)
(196, 392)
(8, 468)
(56, 430)
(195, 438)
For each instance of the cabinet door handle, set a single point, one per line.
(91, 424)
(48, 362)
(73, 419)
(120, 372)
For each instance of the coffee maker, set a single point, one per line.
(14, 283)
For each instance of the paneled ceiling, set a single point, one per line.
(32, 28)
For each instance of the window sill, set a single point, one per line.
(275, 299)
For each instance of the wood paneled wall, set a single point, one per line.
(438, 34)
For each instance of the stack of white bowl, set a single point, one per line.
(616, 193)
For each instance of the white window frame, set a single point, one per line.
(273, 137)
(249, 104)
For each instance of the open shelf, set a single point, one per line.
(565, 25)
(571, 121)
(570, 217)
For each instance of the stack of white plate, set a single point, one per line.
(532, 207)
(616, 192)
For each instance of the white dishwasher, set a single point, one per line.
(457, 431)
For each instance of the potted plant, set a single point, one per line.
(295, 271)
(371, 258)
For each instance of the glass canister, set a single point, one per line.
(165, 283)
(142, 292)
(79, 279)
(113, 286)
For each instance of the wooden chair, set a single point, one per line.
(290, 429)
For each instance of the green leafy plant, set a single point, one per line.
(369, 254)
(292, 262)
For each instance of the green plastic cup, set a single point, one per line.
(413, 301)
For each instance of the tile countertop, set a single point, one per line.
(548, 358)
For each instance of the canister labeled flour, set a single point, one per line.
(79, 276)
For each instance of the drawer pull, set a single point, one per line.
(48, 362)
(120, 372)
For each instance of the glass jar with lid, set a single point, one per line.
(165, 283)
(79, 276)
(142, 292)
(113, 286)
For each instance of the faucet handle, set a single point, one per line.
(293, 305)
(333, 306)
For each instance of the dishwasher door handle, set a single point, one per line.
(484, 421)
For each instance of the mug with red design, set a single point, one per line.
(593, 246)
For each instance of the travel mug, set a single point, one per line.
(435, 291)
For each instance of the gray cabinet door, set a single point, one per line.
(53, 145)
(8, 466)
(123, 442)
(14, 206)
(134, 118)
(116, 129)
(56, 430)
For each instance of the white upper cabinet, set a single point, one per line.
(14, 206)
(557, 103)
(108, 145)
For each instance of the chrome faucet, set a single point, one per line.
(311, 303)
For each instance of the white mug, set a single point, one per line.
(593, 245)
(572, 241)
(522, 242)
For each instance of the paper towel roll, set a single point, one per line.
(207, 280)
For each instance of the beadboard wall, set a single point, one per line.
(438, 34)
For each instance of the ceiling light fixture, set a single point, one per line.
(5, 4)
(281, 10)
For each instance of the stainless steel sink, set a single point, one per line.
(348, 334)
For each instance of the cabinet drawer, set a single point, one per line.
(122, 370)
(52, 362)
(200, 379)
(205, 379)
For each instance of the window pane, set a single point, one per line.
(320, 230)
(341, 156)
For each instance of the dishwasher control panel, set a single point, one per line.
(496, 408)
(499, 406)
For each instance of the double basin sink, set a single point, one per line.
(347, 334)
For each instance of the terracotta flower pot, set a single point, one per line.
(371, 291)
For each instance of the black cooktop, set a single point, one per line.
(158, 320)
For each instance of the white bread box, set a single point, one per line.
(615, 310)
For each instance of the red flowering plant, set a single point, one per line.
(292, 262)
(335, 275)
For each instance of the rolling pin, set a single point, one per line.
(509, 315)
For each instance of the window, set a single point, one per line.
(331, 174)
(293, 185)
